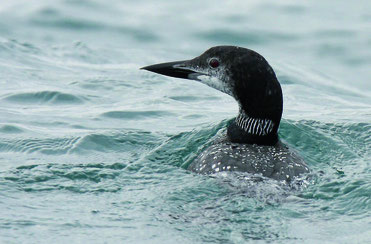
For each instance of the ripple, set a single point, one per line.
(134, 115)
(13, 46)
(10, 129)
(245, 37)
(193, 98)
(347, 142)
(44, 97)
(97, 142)
(49, 146)
(48, 177)
(68, 23)
(340, 33)
(287, 80)
(181, 149)
(128, 142)
(53, 18)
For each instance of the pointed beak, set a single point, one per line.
(176, 69)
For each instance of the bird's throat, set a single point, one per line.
(249, 130)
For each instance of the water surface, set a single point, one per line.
(94, 150)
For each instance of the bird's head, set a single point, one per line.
(240, 72)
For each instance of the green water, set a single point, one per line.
(94, 150)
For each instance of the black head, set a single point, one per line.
(241, 73)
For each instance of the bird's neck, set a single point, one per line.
(250, 130)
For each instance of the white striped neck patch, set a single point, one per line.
(255, 126)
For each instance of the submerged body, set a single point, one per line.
(277, 162)
(251, 144)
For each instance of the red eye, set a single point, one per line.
(214, 63)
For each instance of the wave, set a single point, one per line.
(45, 97)
(130, 141)
(135, 115)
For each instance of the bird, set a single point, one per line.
(251, 143)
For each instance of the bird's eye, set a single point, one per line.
(214, 63)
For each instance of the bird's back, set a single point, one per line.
(277, 162)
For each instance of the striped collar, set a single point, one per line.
(254, 126)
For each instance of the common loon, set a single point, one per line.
(251, 143)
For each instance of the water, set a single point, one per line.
(94, 150)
